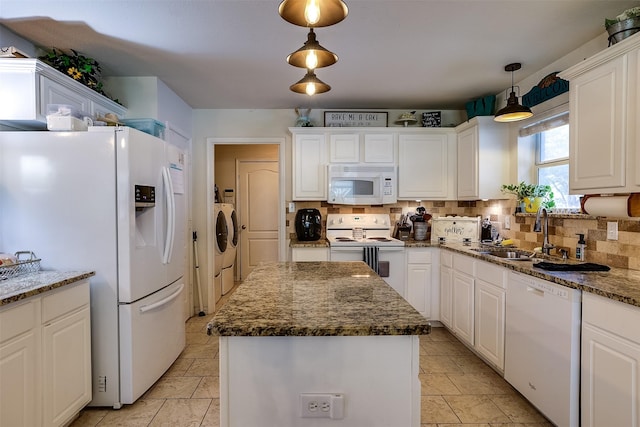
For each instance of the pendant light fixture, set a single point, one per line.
(313, 13)
(311, 55)
(310, 85)
(513, 111)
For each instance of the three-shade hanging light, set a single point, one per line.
(312, 14)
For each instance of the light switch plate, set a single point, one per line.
(612, 230)
(292, 207)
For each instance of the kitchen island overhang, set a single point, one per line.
(331, 328)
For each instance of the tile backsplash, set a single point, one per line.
(563, 228)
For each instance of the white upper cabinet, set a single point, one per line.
(483, 158)
(27, 86)
(427, 164)
(361, 147)
(603, 130)
(309, 152)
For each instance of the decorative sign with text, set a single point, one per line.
(549, 87)
(355, 119)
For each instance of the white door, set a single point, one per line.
(258, 213)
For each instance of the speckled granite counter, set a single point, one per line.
(316, 299)
(618, 284)
(27, 285)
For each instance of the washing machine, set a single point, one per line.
(221, 239)
(229, 258)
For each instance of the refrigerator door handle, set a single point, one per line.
(171, 220)
(163, 301)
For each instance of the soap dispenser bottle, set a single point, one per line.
(581, 247)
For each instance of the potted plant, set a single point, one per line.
(623, 25)
(530, 196)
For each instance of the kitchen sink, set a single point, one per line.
(508, 254)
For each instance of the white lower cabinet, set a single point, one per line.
(45, 358)
(446, 287)
(490, 303)
(463, 290)
(309, 254)
(422, 294)
(610, 365)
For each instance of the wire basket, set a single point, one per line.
(23, 265)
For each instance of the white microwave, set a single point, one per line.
(362, 184)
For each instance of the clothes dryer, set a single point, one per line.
(229, 258)
(221, 237)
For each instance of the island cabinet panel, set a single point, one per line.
(610, 365)
(604, 133)
(261, 379)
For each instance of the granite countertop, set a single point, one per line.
(27, 285)
(295, 243)
(316, 299)
(617, 284)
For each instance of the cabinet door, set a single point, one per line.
(66, 366)
(309, 254)
(462, 307)
(379, 148)
(309, 168)
(468, 186)
(424, 166)
(54, 93)
(489, 322)
(419, 288)
(19, 365)
(610, 391)
(344, 148)
(597, 128)
(446, 295)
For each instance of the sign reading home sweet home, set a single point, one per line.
(549, 87)
(354, 118)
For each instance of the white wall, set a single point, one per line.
(9, 38)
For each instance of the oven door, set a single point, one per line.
(394, 255)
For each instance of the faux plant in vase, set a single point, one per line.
(624, 25)
(530, 196)
(79, 67)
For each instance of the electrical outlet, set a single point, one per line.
(507, 222)
(328, 405)
(612, 230)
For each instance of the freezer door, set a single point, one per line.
(152, 336)
(143, 233)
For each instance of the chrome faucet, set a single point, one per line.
(546, 246)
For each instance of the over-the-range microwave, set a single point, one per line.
(362, 184)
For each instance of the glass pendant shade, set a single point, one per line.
(513, 111)
(313, 13)
(310, 85)
(312, 55)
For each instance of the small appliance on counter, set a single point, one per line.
(308, 224)
(455, 229)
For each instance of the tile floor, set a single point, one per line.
(458, 389)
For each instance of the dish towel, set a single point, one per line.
(587, 266)
(371, 257)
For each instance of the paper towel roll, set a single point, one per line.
(612, 206)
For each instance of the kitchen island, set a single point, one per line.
(332, 329)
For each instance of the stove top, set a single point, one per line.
(360, 230)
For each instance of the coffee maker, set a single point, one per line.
(308, 224)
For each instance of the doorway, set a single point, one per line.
(245, 150)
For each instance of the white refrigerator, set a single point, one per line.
(110, 200)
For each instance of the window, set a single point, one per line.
(552, 164)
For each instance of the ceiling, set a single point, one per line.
(394, 54)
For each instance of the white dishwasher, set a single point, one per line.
(542, 346)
